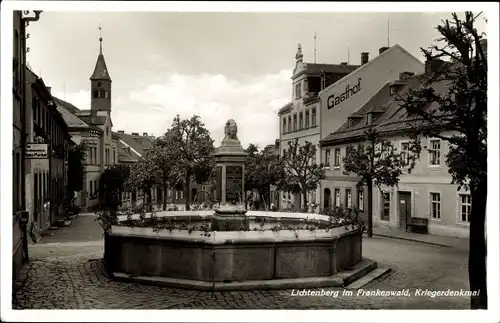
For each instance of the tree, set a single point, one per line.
(163, 166)
(376, 162)
(76, 169)
(460, 109)
(301, 174)
(112, 184)
(142, 177)
(263, 169)
(192, 149)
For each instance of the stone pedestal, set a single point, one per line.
(230, 160)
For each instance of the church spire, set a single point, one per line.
(100, 70)
(100, 40)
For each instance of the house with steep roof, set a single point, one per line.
(425, 192)
(326, 94)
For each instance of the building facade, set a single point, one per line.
(346, 96)
(48, 141)
(425, 192)
(93, 128)
(301, 117)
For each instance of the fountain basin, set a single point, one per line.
(208, 260)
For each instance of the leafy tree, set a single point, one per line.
(263, 169)
(112, 184)
(376, 162)
(460, 109)
(192, 149)
(301, 175)
(76, 168)
(142, 177)
(163, 166)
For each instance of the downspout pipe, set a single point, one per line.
(24, 23)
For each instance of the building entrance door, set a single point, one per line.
(404, 210)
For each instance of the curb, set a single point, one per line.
(341, 279)
(412, 240)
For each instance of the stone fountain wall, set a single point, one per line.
(231, 256)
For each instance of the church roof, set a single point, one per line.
(100, 70)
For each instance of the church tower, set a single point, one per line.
(100, 86)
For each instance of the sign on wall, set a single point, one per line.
(37, 151)
(350, 90)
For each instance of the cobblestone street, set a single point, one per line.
(69, 275)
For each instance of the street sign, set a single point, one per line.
(37, 151)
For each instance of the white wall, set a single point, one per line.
(372, 77)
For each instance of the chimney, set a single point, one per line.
(364, 58)
(405, 76)
(135, 133)
(121, 131)
(432, 65)
(382, 49)
(145, 134)
(49, 89)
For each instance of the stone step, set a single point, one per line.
(375, 274)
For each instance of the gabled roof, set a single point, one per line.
(66, 110)
(68, 106)
(136, 143)
(392, 116)
(360, 68)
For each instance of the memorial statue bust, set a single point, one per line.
(231, 130)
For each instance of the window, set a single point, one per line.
(361, 202)
(298, 90)
(436, 206)
(337, 157)
(102, 93)
(386, 206)
(337, 197)
(289, 123)
(307, 119)
(284, 125)
(327, 157)
(350, 122)
(465, 208)
(435, 152)
(295, 122)
(348, 198)
(95, 94)
(98, 84)
(313, 117)
(107, 131)
(106, 94)
(405, 153)
(301, 120)
(182, 194)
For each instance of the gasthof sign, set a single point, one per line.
(37, 151)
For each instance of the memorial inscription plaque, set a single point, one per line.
(234, 183)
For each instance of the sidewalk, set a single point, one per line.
(444, 241)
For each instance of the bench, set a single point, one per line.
(418, 225)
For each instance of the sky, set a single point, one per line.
(217, 65)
